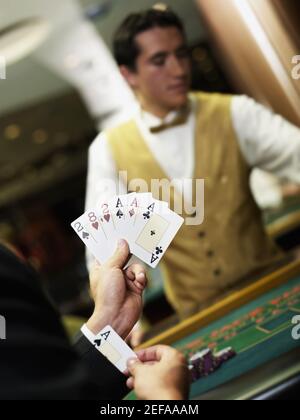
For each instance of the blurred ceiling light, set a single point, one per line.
(21, 38)
(39, 136)
(12, 132)
(162, 7)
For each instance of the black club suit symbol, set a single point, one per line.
(146, 215)
(158, 250)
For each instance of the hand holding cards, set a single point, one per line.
(148, 225)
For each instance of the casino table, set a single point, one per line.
(284, 220)
(257, 323)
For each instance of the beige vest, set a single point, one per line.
(205, 260)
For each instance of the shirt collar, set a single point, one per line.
(151, 120)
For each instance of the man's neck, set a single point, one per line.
(154, 109)
(157, 112)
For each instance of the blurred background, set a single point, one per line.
(59, 87)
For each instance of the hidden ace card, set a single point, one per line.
(111, 345)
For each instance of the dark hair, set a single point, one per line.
(125, 48)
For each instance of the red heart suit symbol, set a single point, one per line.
(95, 225)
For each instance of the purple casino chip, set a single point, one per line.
(204, 362)
(193, 373)
(225, 354)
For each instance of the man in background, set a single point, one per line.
(178, 135)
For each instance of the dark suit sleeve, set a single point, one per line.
(115, 383)
(36, 359)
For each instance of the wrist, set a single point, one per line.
(96, 323)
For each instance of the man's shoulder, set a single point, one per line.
(213, 102)
(211, 96)
(121, 132)
(117, 132)
(124, 125)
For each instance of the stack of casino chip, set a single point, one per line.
(225, 354)
(202, 364)
(206, 362)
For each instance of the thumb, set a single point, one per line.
(120, 257)
(132, 365)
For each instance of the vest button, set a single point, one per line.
(202, 234)
(224, 179)
(210, 253)
(217, 272)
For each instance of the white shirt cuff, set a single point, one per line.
(88, 334)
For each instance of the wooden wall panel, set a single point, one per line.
(256, 41)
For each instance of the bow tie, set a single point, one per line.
(181, 119)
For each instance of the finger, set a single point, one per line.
(166, 353)
(136, 273)
(129, 274)
(132, 365)
(133, 270)
(141, 281)
(138, 285)
(130, 383)
(154, 353)
(147, 355)
(120, 257)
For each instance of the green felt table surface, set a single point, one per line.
(259, 332)
(290, 206)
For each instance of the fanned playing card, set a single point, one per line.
(148, 225)
(155, 235)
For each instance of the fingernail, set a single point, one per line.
(121, 243)
(141, 275)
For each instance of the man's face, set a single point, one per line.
(163, 71)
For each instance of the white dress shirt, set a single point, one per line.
(267, 141)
